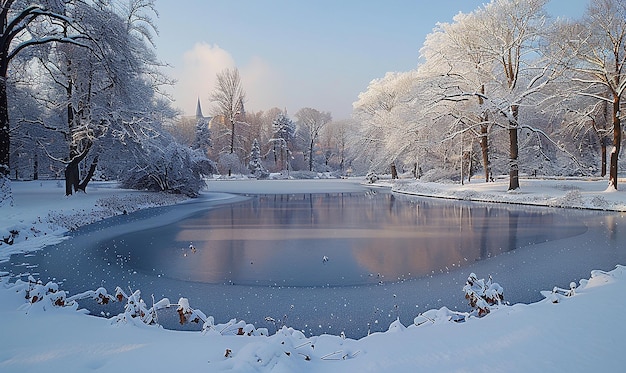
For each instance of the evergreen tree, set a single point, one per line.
(256, 164)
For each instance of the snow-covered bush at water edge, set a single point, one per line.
(480, 293)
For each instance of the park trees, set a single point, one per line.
(455, 62)
(256, 163)
(24, 25)
(509, 36)
(482, 69)
(598, 45)
(94, 75)
(105, 87)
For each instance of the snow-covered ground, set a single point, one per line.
(579, 333)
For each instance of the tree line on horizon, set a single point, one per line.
(504, 89)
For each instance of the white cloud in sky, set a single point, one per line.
(196, 76)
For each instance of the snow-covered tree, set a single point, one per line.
(454, 61)
(509, 36)
(23, 26)
(106, 87)
(598, 47)
(202, 139)
(231, 163)
(284, 132)
(390, 122)
(28, 160)
(310, 123)
(229, 96)
(256, 163)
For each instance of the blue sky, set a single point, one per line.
(294, 54)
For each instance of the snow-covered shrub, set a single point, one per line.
(135, 308)
(229, 163)
(599, 202)
(572, 198)
(482, 294)
(44, 296)
(174, 169)
(188, 314)
(557, 294)
(371, 177)
(303, 175)
(99, 295)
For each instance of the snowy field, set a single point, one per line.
(577, 333)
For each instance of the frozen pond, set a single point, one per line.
(327, 262)
(331, 239)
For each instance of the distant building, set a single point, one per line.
(202, 120)
(200, 116)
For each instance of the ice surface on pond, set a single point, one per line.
(331, 262)
(288, 240)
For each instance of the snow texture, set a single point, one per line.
(575, 330)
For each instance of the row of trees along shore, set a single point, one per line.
(505, 89)
(507, 79)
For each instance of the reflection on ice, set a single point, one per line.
(372, 237)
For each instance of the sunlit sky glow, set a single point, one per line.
(295, 54)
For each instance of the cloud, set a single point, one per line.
(196, 75)
(197, 72)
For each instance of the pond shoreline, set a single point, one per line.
(379, 304)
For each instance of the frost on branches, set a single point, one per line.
(482, 294)
(174, 168)
(46, 297)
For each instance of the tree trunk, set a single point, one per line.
(394, 171)
(72, 174)
(92, 169)
(5, 138)
(513, 150)
(36, 168)
(603, 147)
(71, 178)
(470, 166)
(282, 158)
(484, 139)
(484, 147)
(311, 145)
(275, 156)
(232, 136)
(617, 141)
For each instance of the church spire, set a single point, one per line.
(199, 110)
